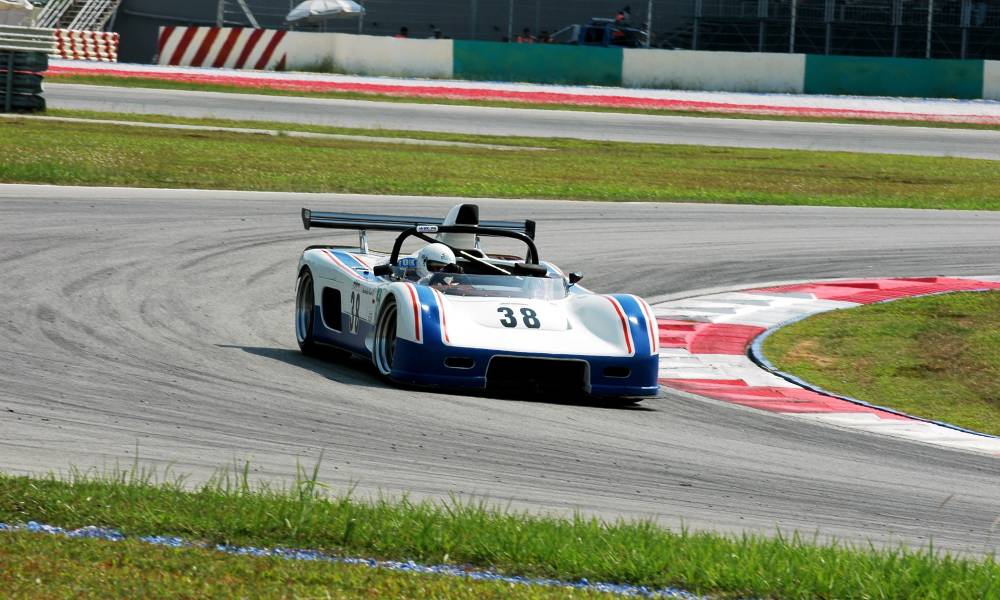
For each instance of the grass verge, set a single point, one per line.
(227, 510)
(43, 566)
(95, 154)
(936, 357)
(168, 84)
(290, 127)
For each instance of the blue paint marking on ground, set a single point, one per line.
(112, 535)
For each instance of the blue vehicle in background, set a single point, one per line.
(603, 32)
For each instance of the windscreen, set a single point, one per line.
(501, 286)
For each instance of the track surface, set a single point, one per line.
(163, 319)
(656, 129)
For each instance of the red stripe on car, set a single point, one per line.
(621, 315)
(343, 266)
(653, 337)
(416, 311)
(444, 321)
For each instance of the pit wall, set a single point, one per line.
(991, 80)
(714, 71)
(263, 49)
(575, 65)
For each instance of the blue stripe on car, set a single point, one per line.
(637, 323)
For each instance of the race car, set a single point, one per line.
(454, 315)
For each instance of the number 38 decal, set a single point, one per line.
(528, 316)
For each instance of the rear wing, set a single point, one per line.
(362, 222)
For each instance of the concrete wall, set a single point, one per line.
(244, 48)
(991, 80)
(229, 47)
(538, 63)
(714, 71)
(370, 55)
(551, 63)
(876, 76)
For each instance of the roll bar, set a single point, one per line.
(421, 232)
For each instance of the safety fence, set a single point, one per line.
(897, 28)
(580, 65)
(61, 43)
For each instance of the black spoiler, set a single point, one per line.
(361, 222)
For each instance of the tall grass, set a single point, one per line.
(230, 509)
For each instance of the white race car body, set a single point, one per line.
(528, 328)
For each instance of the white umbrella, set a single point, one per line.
(16, 12)
(320, 10)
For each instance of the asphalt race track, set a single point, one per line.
(657, 129)
(162, 320)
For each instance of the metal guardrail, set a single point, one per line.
(61, 43)
(27, 39)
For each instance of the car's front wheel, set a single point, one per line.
(385, 339)
(305, 313)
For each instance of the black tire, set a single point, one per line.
(305, 314)
(384, 346)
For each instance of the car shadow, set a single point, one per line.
(337, 366)
(331, 364)
(582, 401)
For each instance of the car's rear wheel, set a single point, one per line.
(305, 313)
(385, 339)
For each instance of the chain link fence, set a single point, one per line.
(907, 28)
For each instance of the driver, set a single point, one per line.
(436, 258)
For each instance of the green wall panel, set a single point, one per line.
(538, 63)
(875, 76)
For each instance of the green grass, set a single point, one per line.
(229, 510)
(43, 566)
(95, 154)
(154, 83)
(936, 357)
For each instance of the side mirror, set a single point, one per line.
(575, 278)
(382, 270)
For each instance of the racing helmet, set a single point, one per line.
(433, 258)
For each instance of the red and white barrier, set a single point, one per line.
(228, 47)
(87, 45)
